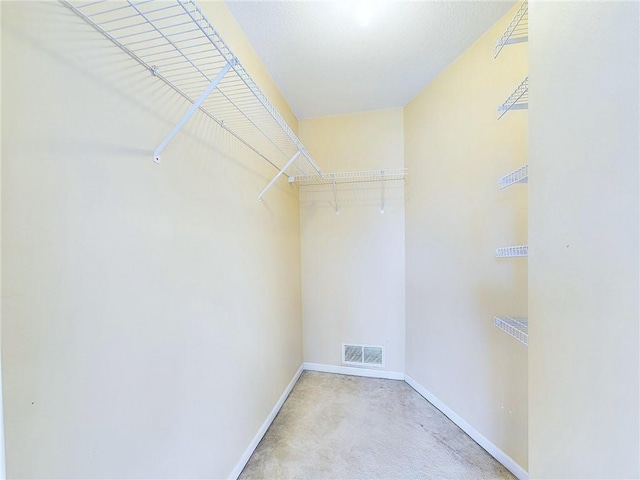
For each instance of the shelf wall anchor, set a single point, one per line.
(195, 106)
(281, 172)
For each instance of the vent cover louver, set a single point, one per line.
(362, 355)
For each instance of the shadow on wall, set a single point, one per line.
(116, 73)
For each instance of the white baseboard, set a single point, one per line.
(235, 473)
(480, 439)
(359, 372)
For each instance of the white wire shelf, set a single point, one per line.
(517, 327)
(517, 31)
(331, 181)
(520, 175)
(518, 100)
(176, 43)
(350, 177)
(513, 251)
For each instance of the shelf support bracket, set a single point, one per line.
(192, 109)
(335, 195)
(273, 180)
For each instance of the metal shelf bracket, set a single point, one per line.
(192, 109)
(281, 172)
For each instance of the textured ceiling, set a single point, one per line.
(335, 57)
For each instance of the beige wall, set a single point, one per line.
(456, 216)
(583, 224)
(2, 456)
(353, 263)
(151, 315)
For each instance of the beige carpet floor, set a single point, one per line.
(344, 427)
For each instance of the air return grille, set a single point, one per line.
(362, 355)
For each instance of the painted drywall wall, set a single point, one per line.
(353, 263)
(583, 225)
(151, 314)
(455, 151)
(3, 470)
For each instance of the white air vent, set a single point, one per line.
(362, 355)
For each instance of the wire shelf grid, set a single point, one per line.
(517, 327)
(351, 180)
(517, 31)
(520, 175)
(350, 177)
(177, 44)
(513, 251)
(518, 100)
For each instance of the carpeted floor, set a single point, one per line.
(344, 427)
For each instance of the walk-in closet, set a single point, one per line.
(324, 239)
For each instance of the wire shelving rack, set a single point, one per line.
(331, 181)
(517, 31)
(520, 175)
(517, 327)
(518, 100)
(350, 177)
(175, 42)
(512, 251)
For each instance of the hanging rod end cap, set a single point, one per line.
(156, 159)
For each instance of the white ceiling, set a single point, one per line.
(335, 57)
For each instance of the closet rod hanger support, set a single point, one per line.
(273, 180)
(194, 107)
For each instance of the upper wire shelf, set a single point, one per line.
(518, 100)
(333, 180)
(517, 327)
(517, 31)
(350, 177)
(520, 175)
(177, 44)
